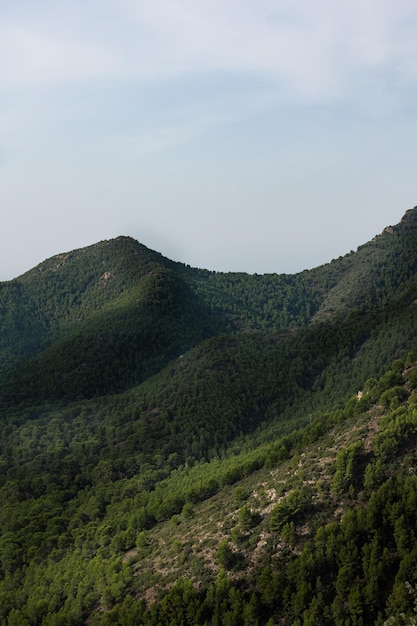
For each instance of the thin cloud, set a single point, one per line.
(316, 50)
(32, 58)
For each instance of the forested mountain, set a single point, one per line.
(162, 422)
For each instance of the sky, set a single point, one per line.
(261, 136)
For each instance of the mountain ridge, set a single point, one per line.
(121, 284)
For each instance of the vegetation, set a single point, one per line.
(180, 446)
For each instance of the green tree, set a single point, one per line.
(224, 555)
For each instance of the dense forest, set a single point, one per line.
(181, 446)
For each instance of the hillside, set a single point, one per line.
(161, 422)
(320, 528)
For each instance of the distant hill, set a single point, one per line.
(161, 421)
(104, 318)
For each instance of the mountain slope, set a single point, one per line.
(317, 526)
(324, 534)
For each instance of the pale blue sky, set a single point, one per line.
(235, 135)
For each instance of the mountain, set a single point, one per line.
(163, 422)
(105, 317)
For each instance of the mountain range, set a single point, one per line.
(182, 446)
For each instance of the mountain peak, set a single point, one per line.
(410, 216)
